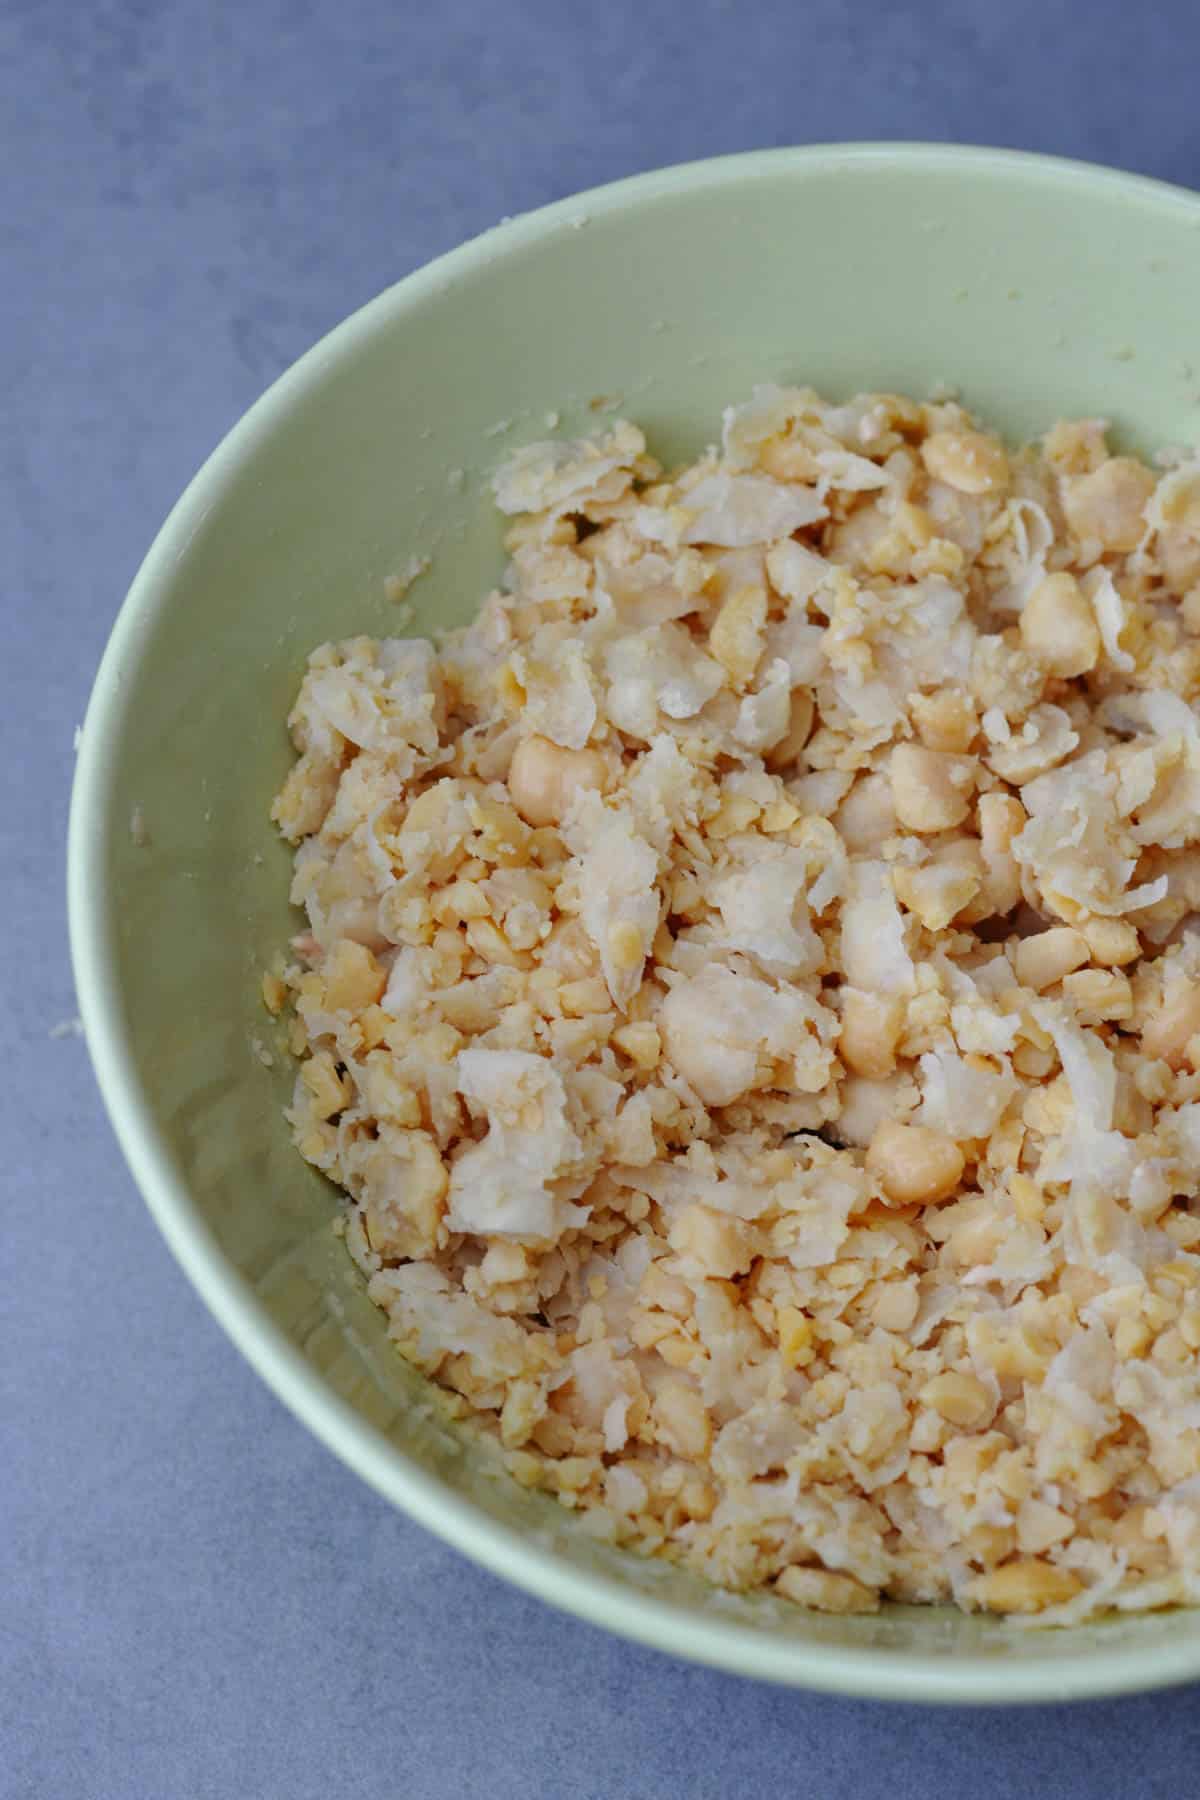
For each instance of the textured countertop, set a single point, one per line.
(197, 1599)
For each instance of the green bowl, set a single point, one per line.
(1037, 288)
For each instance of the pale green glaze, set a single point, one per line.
(1038, 288)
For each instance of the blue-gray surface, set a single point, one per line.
(197, 1600)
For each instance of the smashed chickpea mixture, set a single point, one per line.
(752, 1003)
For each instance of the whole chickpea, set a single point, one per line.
(543, 778)
(914, 1165)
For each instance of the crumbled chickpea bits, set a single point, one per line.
(750, 1000)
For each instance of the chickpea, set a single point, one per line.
(1046, 957)
(352, 978)
(931, 789)
(543, 778)
(1001, 819)
(1179, 502)
(895, 1305)
(914, 1165)
(787, 460)
(866, 817)
(1112, 942)
(697, 1498)
(945, 720)
(712, 1242)
(680, 1420)
(958, 1398)
(870, 1029)
(944, 888)
(1039, 1526)
(966, 460)
(462, 900)
(1059, 629)
(1026, 1585)
(626, 946)
(405, 1195)
(1076, 446)
(1168, 1033)
(911, 529)
(274, 993)
(488, 941)
(824, 1590)
(991, 895)
(1099, 995)
(736, 638)
(1109, 504)
(579, 998)
(328, 1091)
(570, 951)
(640, 1042)
(795, 1337)
(1138, 1534)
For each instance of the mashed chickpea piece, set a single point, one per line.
(751, 1000)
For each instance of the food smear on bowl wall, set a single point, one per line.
(751, 1005)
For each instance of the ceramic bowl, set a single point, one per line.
(1036, 288)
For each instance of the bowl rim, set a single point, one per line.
(723, 1643)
